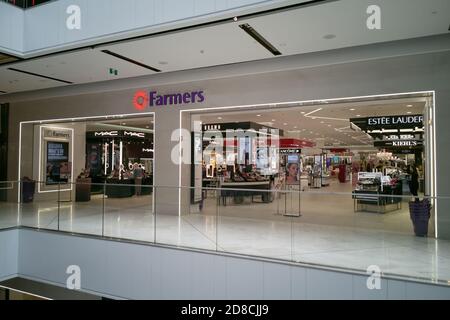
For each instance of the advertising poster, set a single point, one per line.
(58, 167)
(292, 169)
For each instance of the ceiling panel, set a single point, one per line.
(11, 81)
(343, 22)
(84, 66)
(294, 31)
(215, 45)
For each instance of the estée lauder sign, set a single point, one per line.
(409, 120)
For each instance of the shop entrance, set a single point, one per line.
(355, 162)
(95, 168)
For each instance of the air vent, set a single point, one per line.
(39, 75)
(130, 60)
(262, 41)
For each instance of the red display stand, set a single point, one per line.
(342, 173)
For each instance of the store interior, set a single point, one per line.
(346, 164)
(89, 158)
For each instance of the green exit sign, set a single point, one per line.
(113, 71)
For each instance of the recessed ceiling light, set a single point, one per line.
(322, 122)
(303, 112)
(329, 36)
(220, 118)
(358, 115)
(295, 127)
(409, 106)
(409, 112)
(352, 109)
(147, 127)
(258, 115)
(123, 123)
(285, 124)
(273, 120)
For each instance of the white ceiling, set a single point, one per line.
(329, 123)
(291, 32)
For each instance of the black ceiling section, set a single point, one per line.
(258, 37)
(130, 60)
(40, 75)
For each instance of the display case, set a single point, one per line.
(375, 192)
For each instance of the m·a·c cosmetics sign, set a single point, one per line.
(143, 99)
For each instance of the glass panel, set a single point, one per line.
(192, 229)
(40, 206)
(255, 222)
(82, 211)
(129, 210)
(9, 208)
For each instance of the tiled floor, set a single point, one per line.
(328, 232)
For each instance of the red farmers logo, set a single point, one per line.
(140, 100)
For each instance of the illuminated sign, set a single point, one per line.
(106, 133)
(142, 99)
(209, 127)
(396, 120)
(399, 137)
(134, 134)
(56, 134)
(398, 143)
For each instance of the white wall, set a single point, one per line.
(11, 29)
(106, 20)
(9, 254)
(134, 271)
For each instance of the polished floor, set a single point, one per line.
(330, 233)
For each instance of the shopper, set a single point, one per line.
(414, 182)
(138, 175)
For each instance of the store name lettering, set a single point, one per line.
(211, 127)
(400, 137)
(404, 143)
(134, 134)
(57, 134)
(142, 99)
(395, 120)
(107, 134)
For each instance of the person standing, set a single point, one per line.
(138, 175)
(414, 182)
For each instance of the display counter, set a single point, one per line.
(124, 188)
(83, 189)
(253, 187)
(325, 179)
(364, 200)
